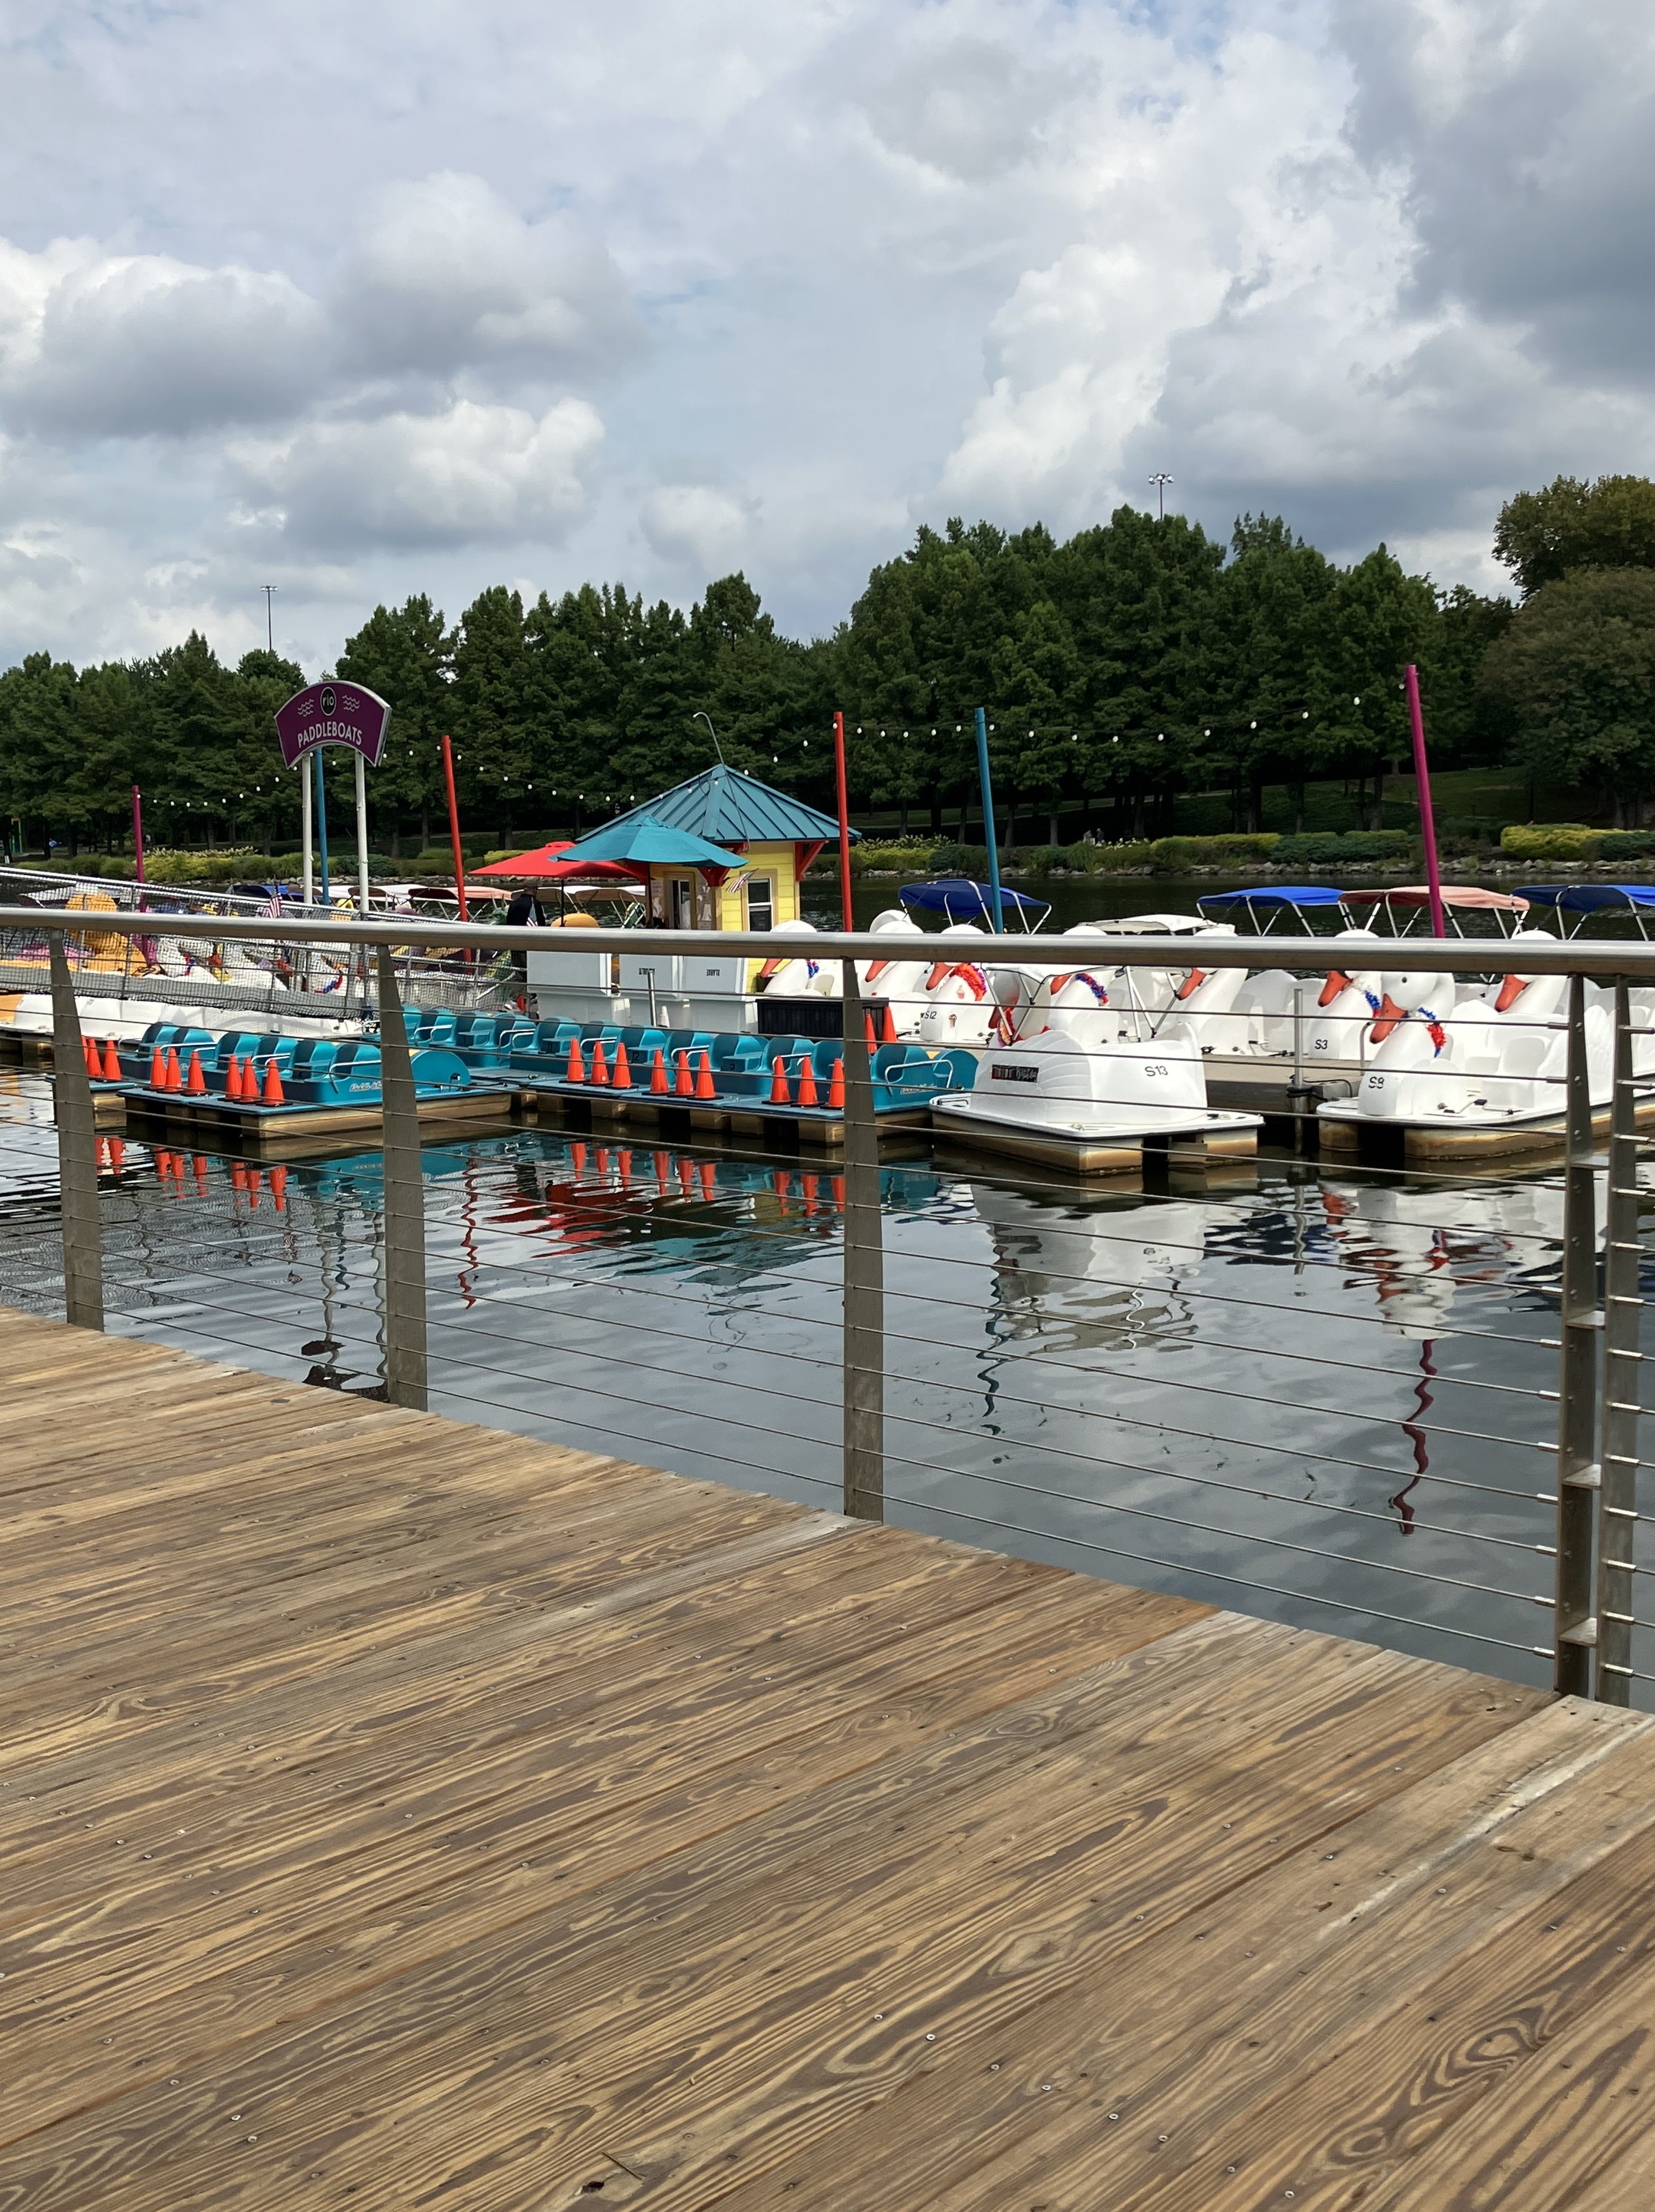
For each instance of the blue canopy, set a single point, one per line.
(1275, 894)
(1588, 898)
(643, 842)
(961, 899)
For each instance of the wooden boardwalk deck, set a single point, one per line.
(400, 1814)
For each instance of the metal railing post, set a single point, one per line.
(406, 1365)
(77, 1153)
(1622, 1312)
(1578, 1476)
(863, 1344)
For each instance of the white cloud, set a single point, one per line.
(699, 525)
(446, 277)
(113, 345)
(472, 475)
(825, 270)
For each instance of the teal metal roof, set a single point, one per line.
(729, 808)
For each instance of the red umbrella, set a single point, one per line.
(543, 865)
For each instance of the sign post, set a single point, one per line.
(333, 713)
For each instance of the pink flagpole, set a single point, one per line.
(1422, 785)
(137, 830)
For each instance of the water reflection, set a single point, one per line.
(1318, 1394)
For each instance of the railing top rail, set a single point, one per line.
(1599, 957)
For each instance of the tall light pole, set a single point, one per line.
(269, 616)
(1160, 480)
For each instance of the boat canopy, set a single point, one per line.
(1295, 894)
(1589, 898)
(1467, 895)
(961, 899)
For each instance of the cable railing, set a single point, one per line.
(1433, 1439)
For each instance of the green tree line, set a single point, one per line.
(1138, 660)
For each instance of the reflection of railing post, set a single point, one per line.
(864, 1274)
(77, 1153)
(405, 1361)
(1574, 1627)
(1622, 1312)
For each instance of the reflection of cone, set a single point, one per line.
(707, 1184)
(157, 1068)
(687, 1176)
(238, 1176)
(599, 1065)
(112, 1061)
(103, 1154)
(118, 1153)
(704, 1079)
(808, 1082)
(779, 1084)
(624, 1161)
(279, 1189)
(171, 1079)
(839, 1192)
(682, 1086)
(197, 1082)
(781, 1183)
(621, 1077)
(888, 1028)
(233, 1085)
(663, 1169)
(603, 1163)
(274, 1094)
(837, 1088)
(198, 1162)
(577, 1154)
(658, 1082)
(255, 1184)
(807, 1184)
(575, 1072)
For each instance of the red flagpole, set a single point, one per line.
(844, 817)
(1422, 786)
(453, 828)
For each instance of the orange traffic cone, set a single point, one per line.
(682, 1085)
(171, 1079)
(112, 1061)
(808, 1094)
(837, 1088)
(89, 1059)
(779, 1082)
(157, 1068)
(196, 1082)
(599, 1065)
(278, 1184)
(273, 1094)
(704, 1079)
(888, 1029)
(867, 1024)
(658, 1084)
(621, 1079)
(709, 1184)
(575, 1072)
(233, 1089)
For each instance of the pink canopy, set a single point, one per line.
(1466, 894)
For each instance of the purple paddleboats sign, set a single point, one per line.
(333, 713)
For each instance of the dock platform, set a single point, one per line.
(400, 1813)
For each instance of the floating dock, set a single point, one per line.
(398, 1812)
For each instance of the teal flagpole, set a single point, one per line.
(996, 918)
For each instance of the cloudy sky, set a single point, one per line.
(365, 301)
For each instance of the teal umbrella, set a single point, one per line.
(642, 841)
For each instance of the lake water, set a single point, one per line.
(1304, 1390)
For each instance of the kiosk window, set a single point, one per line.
(761, 901)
